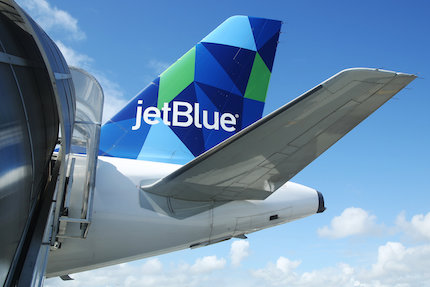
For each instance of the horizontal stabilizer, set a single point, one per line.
(258, 160)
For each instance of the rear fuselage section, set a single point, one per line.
(128, 223)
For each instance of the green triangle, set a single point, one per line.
(176, 78)
(258, 80)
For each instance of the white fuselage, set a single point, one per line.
(128, 223)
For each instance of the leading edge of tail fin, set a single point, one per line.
(216, 89)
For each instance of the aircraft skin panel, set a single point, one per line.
(242, 168)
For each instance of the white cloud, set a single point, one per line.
(352, 221)
(150, 272)
(396, 265)
(152, 265)
(74, 58)
(239, 250)
(208, 264)
(417, 228)
(340, 275)
(286, 265)
(53, 19)
(281, 273)
(390, 259)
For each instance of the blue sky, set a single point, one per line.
(375, 179)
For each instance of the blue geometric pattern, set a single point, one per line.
(155, 150)
(235, 31)
(172, 130)
(237, 62)
(216, 76)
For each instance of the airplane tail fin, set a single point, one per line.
(213, 91)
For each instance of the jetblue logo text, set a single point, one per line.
(184, 114)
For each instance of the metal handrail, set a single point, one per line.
(85, 146)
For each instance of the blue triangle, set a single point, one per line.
(119, 140)
(210, 72)
(211, 137)
(235, 31)
(268, 51)
(191, 136)
(252, 111)
(264, 29)
(162, 145)
(236, 62)
(224, 102)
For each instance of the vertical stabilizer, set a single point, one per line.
(213, 91)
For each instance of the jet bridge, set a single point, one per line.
(39, 114)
